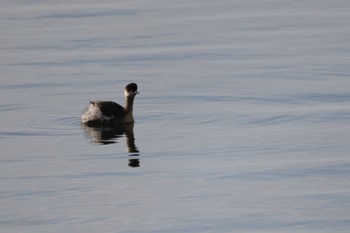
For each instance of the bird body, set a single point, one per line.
(109, 112)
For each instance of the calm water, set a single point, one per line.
(242, 124)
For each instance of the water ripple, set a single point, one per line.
(46, 126)
(53, 123)
(50, 121)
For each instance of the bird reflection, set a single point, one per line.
(105, 135)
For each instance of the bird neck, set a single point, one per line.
(129, 102)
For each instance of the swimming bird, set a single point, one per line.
(108, 112)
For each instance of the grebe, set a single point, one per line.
(108, 112)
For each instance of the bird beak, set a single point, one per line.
(136, 92)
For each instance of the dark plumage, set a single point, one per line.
(107, 112)
(109, 108)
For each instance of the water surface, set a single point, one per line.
(242, 124)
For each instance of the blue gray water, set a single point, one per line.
(242, 124)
